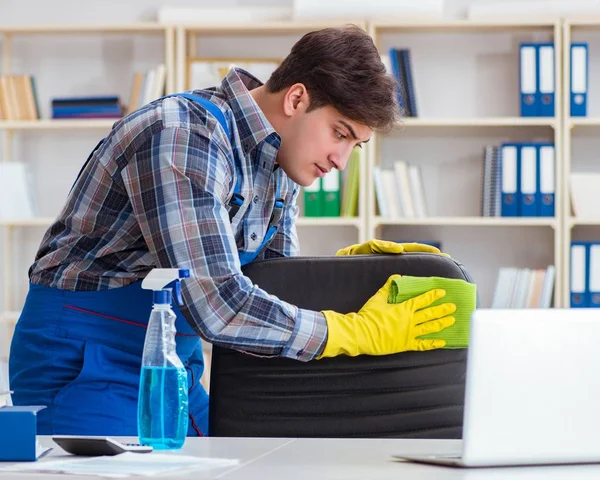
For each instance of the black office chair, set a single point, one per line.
(408, 395)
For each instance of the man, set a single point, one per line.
(207, 181)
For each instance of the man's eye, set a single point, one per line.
(339, 134)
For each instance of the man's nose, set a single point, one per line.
(339, 160)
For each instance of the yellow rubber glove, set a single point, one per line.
(382, 328)
(384, 246)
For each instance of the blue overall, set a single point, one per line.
(79, 353)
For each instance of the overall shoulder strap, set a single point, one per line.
(237, 200)
(209, 106)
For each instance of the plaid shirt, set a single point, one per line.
(155, 194)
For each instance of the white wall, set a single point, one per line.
(119, 11)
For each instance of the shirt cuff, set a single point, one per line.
(308, 338)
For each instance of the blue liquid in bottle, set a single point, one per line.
(163, 394)
(163, 407)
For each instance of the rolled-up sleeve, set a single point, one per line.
(178, 183)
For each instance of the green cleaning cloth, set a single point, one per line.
(463, 294)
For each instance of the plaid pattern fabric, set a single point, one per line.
(155, 194)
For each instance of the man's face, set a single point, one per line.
(315, 142)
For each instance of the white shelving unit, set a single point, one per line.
(478, 122)
(581, 141)
(449, 135)
(273, 40)
(13, 49)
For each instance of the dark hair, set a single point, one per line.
(341, 67)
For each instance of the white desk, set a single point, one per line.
(334, 459)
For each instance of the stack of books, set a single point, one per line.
(87, 107)
(518, 180)
(399, 191)
(524, 288)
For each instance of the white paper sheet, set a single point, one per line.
(124, 465)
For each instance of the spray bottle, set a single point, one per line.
(163, 394)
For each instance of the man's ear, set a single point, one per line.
(295, 100)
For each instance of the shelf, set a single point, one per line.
(583, 122)
(149, 27)
(391, 24)
(49, 124)
(328, 222)
(592, 222)
(478, 122)
(589, 21)
(30, 222)
(10, 316)
(470, 221)
(267, 28)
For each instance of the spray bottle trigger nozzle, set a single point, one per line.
(184, 273)
(178, 293)
(176, 286)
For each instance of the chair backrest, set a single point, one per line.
(409, 395)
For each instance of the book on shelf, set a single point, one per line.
(396, 194)
(16, 192)
(399, 191)
(331, 199)
(350, 183)
(490, 182)
(398, 63)
(146, 87)
(312, 199)
(18, 98)
(524, 287)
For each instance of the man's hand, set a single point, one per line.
(382, 328)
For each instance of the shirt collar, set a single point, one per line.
(253, 126)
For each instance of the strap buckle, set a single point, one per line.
(235, 203)
(277, 212)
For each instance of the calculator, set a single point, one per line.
(90, 446)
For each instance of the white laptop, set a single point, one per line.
(532, 389)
